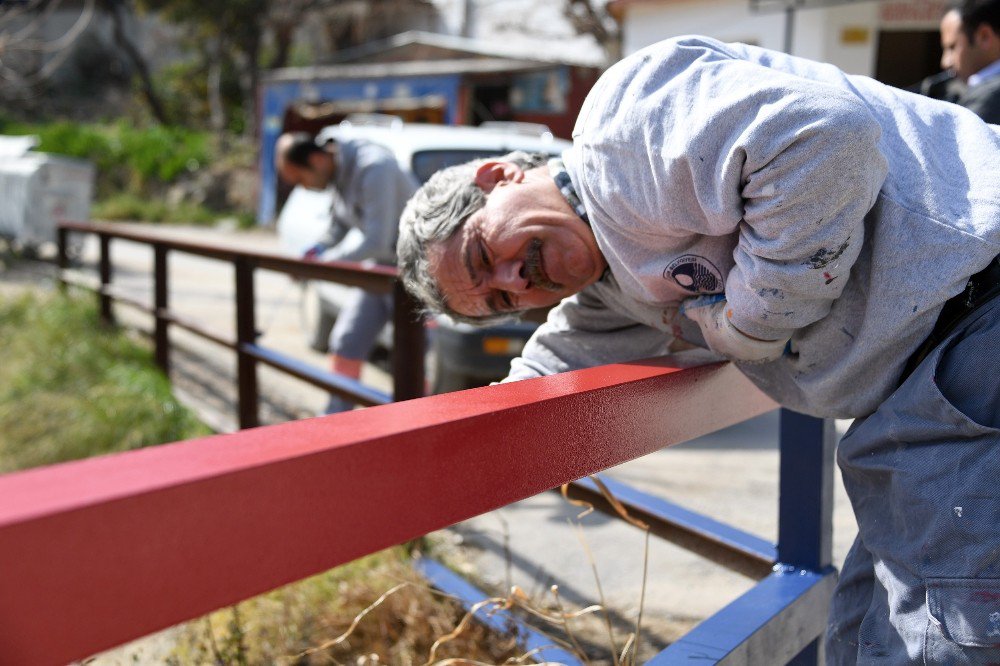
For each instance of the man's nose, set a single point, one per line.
(509, 276)
(946, 60)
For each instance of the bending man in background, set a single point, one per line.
(373, 190)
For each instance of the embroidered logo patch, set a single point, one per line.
(695, 274)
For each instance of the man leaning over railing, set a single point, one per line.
(835, 238)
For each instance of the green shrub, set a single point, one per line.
(130, 207)
(71, 388)
(125, 156)
(89, 142)
(291, 625)
(161, 153)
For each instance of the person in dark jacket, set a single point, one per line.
(970, 40)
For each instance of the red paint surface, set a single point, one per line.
(98, 552)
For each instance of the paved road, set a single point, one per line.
(731, 475)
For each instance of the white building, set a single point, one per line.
(895, 41)
(527, 28)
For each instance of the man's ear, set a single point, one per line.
(490, 174)
(985, 37)
(317, 160)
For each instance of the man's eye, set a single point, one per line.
(483, 256)
(506, 300)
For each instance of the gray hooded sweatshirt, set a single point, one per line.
(827, 207)
(372, 190)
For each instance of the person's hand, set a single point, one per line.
(713, 316)
(313, 253)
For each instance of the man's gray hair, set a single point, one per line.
(438, 210)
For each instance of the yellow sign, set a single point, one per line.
(854, 35)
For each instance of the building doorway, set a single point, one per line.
(904, 58)
(490, 102)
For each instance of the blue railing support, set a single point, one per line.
(727, 546)
(770, 624)
(805, 495)
(782, 618)
(502, 622)
(805, 504)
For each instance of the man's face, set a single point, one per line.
(960, 55)
(316, 176)
(524, 249)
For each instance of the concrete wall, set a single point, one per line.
(844, 35)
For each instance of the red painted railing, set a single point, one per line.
(98, 552)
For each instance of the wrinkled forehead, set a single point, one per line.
(448, 265)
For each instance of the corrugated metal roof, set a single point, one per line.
(406, 68)
(484, 58)
(540, 52)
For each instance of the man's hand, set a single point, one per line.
(712, 314)
(313, 253)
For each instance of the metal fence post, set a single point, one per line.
(805, 506)
(104, 269)
(246, 334)
(408, 347)
(160, 308)
(62, 247)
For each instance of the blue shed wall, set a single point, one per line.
(277, 96)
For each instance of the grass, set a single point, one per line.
(299, 623)
(377, 610)
(68, 393)
(125, 206)
(136, 165)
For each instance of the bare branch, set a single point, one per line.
(9, 14)
(586, 19)
(33, 26)
(61, 45)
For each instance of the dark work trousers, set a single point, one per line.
(921, 585)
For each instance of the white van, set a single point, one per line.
(463, 355)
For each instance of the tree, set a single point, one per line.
(119, 11)
(587, 19)
(27, 59)
(253, 35)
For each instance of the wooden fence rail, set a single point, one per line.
(408, 332)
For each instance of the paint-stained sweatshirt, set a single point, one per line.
(827, 207)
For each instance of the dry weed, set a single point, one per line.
(381, 612)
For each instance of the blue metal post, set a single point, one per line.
(805, 505)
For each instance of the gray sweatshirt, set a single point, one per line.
(373, 190)
(827, 207)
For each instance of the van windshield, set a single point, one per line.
(427, 162)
